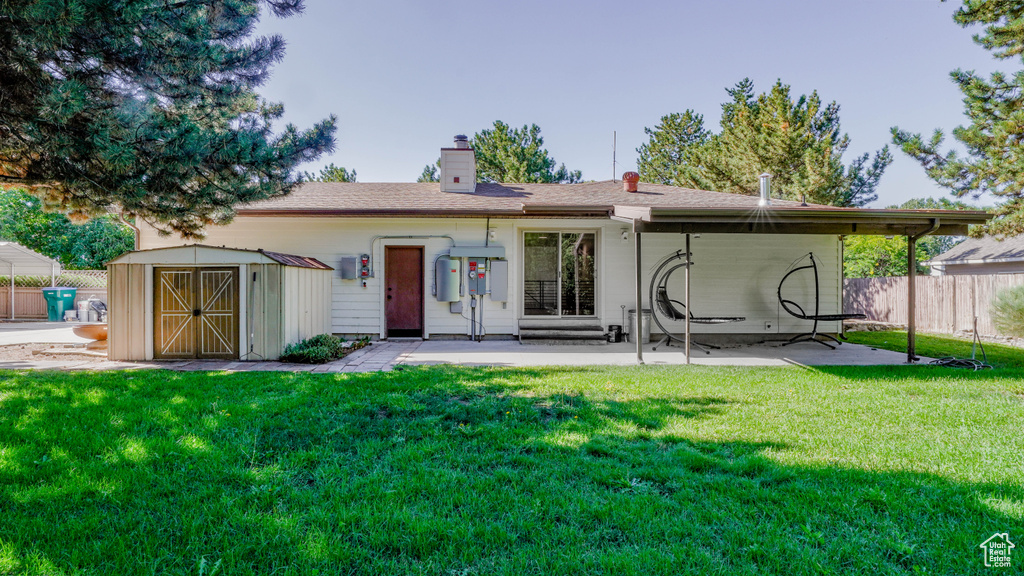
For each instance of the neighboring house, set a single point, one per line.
(986, 255)
(408, 256)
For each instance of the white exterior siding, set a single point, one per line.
(733, 275)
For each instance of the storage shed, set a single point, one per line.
(206, 302)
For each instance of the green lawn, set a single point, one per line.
(449, 471)
(934, 346)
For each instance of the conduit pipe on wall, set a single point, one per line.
(373, 242)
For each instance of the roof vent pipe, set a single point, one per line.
(461, 141)
(766, 191)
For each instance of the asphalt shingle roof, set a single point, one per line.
(985, 248)
(392, 198)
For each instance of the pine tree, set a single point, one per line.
(430, 173)
(798, 142)
(330, 173)
(670, 141)
(994, 139)
(149, 108)
(506, 154)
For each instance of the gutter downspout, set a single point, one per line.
(912, 289)
(135, 229)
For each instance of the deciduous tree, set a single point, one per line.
(877, 256)
(84, 246)
(148, 107)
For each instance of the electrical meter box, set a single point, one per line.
(364, 265)
(447, 273)
(476, 276)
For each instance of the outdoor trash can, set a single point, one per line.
(57, 301)
(646, 339)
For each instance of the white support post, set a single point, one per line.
(638, 324)
(687, 298)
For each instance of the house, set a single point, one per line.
(985, 255)
(465, 259)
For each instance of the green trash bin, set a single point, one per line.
(57, 301)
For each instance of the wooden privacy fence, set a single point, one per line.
(28, 294)
(30, 304)
(945, 304)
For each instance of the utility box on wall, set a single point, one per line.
(499, 280)
(447, 273)
(349, 268)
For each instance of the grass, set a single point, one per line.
(669, 470)
(934, 346)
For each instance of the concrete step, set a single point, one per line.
(556, 342)
(562, 327)
(563, 333)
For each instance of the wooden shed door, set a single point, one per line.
(403, 290)
(195, 313)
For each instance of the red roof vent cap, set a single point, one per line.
(629, 181)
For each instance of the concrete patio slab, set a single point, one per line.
(512, 353)
(385, 356)
(39, 333)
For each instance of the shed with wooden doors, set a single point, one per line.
(205, 302)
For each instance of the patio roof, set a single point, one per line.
(798, 220)
(15, 259)
(26, 262)
(789, 219)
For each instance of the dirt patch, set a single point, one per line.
(40, 352)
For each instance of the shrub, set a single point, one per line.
(315, 350)
(1008, 311)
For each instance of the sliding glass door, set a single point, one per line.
(559, 273)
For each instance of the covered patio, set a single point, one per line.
(784, 219)
(16, 259)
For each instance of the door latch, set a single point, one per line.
(197, 312)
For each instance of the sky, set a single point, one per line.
(405, 76)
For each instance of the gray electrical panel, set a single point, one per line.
(499, 280)
(447, 272)
(476, 276)
(349, 267)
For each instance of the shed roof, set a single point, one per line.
(26, 262)
(987, 249)
(194, 254)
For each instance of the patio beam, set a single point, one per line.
(848, 228)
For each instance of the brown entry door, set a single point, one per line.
(403, 290)
(195, 313)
